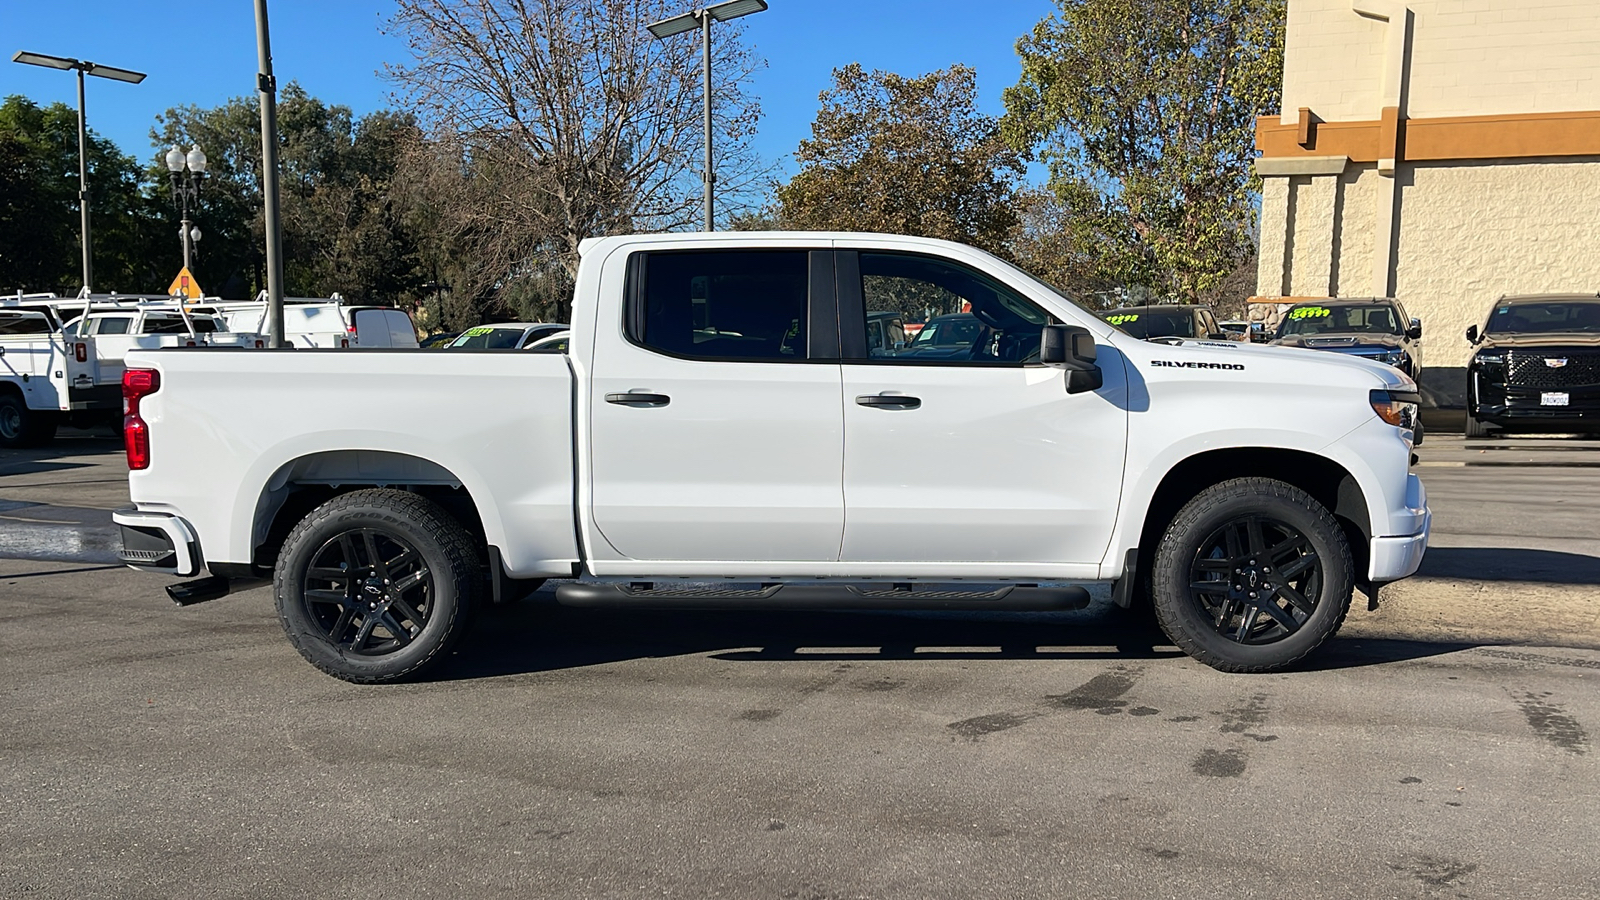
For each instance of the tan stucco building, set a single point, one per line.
(1444, 152)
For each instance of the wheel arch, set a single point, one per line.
(306, 482)
(1326, 480)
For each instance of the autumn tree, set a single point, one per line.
(905, 156)
(1144, 111)
(554, 121)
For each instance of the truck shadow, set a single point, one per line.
(540, 637)
(52, 457)
(1510, 564)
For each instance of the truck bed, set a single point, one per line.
(225, 422)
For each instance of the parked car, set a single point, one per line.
(436, 341)
(1536, 365)
(1375, 328)
(504, 336)
(886, 333)
(1169, 321)
(719, 418)
(554, 343)
(945, 337)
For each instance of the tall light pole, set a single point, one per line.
(267, 91)
(82, 68)
(701, 18)
(186, 187)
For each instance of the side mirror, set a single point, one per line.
(1472, 333)
(1415, 329)
(1071, 347)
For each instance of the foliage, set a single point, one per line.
(904, 156)
(554, 121)
(1144, 111)
(344, 227)
(39, 217)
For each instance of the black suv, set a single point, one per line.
(1374, 328)
(1536, 366)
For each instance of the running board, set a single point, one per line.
(640, 595)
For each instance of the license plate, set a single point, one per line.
(1553, 398)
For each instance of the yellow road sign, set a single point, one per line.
(185, 286)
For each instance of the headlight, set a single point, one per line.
(1398, 408)
(1394, 357)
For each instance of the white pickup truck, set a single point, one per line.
(719, 434)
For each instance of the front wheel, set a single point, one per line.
(376, 585)
(1252, 575)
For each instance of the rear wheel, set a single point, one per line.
(1252, 575)
(21, 426)
(376, 585)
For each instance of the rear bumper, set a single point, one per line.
(158, 542)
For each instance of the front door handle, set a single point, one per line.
(889, 401)
(639, 399)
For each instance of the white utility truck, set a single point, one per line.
(61, 358)
(331, 323)
(720, 434)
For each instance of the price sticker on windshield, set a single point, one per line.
(1122, 320)
(481, 329)
(1554, 398)
(1310, 312)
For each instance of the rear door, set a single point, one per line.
(978, 457)
(715, 418)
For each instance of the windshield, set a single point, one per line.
(956, 331)
(1154, 323)
(485, 338)
(1550, 317)
(174, 325)
(1368, 318)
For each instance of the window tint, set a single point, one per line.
(113, 325)
(1314, 318)
(23, 323)
(967, 316)
(485, 337)
(725, 304)
(174, 325)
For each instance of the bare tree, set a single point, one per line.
(553, 121)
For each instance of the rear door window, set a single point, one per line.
(723, 305)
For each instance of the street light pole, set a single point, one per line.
(186, 187)
(82, 68)
(701, 18)
(267, 88)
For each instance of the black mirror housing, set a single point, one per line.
(1472, 333)
(1414, 331)
(1071, 347)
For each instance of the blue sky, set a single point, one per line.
(205, 53)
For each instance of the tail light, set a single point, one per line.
(81, 352)
(136, 385)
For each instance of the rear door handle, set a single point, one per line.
(889, 401)
(639, 399)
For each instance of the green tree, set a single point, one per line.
(1144, 111)
(345, 225)
(905, 156)
(39, 218)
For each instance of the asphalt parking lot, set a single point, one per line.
(1443, 746)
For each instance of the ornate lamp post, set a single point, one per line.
(186, 187)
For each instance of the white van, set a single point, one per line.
(310, 322)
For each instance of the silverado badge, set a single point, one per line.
(1556, 363)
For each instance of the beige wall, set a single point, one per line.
(1468, 57)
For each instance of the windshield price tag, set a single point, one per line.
(1122, 320)
(1310, 312)
(1553, 398)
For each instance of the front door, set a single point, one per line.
(716, 428)
(970, 452)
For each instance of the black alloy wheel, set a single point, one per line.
(1256, 579)
(368, 591)
(1251, 575)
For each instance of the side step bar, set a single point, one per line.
(644, 595)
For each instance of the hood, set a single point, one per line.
(1266, 363)
(1532, 340)
(1345, 342)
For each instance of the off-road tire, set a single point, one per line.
(1182, 616)
(443, 546)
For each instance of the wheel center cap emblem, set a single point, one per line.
(1253, 580)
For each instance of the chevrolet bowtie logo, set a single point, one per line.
(1556, 363)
